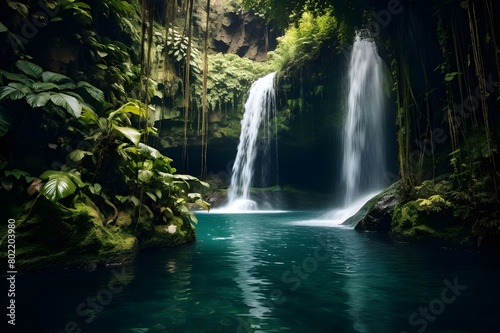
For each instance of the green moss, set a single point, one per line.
(427, 216)
(52, 236)
(231, 130)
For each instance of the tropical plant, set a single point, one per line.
(302, 42)
(40, 88)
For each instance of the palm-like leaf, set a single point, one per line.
(29, 68)
(71, 104)
(11, 92)
(38, 100)
(130, 133)
(58, 188)
(60, 184)
(96, 93)
(49, 76)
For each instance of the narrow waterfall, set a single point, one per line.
(364, 152)
(260, 111)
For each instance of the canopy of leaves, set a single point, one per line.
(302, 42)
(283, 12)
(230, 77)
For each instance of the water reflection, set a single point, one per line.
(250, 256)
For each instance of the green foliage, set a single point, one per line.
(147, 171)
(177, 46)
(283, 12)
(303, 42)
(435, 203)
(114, 69)
(79, 10)
(38, 87)
(150, 180)
(229, 78)
(60, 184)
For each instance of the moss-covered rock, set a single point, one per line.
(379, 207)
(53, 236)
(434, 213)
(429, 220)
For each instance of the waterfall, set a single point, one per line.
(364, 153)
(260, 107)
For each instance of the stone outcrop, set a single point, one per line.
(379, 217)
(243, 34)
(376, 214)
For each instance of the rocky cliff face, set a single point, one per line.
(239, 32)
(243, 34)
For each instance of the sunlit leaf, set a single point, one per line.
(38, 100)
(77, 155)
(69, 103)
(58, 187)
(130, 133)
(145, 175)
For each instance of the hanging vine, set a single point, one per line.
(204, 115)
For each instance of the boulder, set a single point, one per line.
(379, 217)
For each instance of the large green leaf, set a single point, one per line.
(129, 107)
(67, 85)
(145, 176)
(71, 104)
(184, 177)
(49, 76)
(3, 28)
(58, 187)
(11, 93)
(77, 155)
(88, 116)
(130, 133)
(75, 177)
(17, 77)
(38, 100)
(96, 93)
(60, 184)
(44, 86)
(29, 68)
(150, 151)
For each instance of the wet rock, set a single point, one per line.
(379, 217)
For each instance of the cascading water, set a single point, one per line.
(364, 132)
(363, 162)
(259, 107)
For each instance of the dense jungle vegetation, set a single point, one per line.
(94, 94)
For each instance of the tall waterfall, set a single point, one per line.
(364, 153)
(260, 107)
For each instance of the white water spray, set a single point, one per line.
(364, 132)
(259, 107)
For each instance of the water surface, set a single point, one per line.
(268, 273)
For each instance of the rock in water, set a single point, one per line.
(379, 217)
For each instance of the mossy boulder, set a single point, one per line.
(431, 213)
(54, 236)
(376, 214)
(429, 220)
